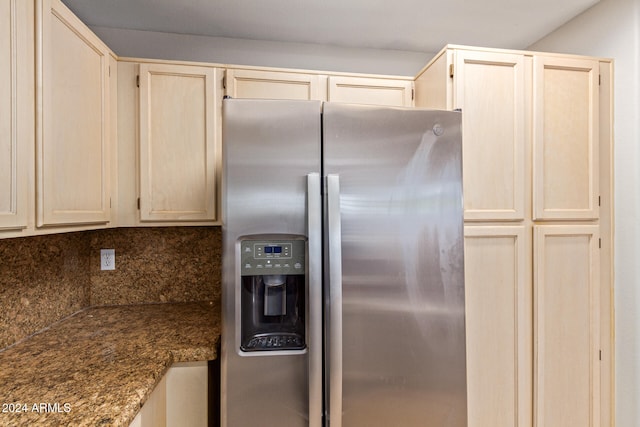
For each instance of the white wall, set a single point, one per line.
(149, 44)
(612, 29)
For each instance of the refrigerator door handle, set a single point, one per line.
(314, 233)
(334, 234)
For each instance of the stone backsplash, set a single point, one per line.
(46, 278)
(172, 264)
(42, 280)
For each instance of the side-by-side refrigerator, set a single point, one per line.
(343, 281)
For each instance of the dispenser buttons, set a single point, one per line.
(275, 342)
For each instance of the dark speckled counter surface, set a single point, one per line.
(98, 366)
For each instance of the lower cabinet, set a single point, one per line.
(499, 325)
(567, 325)
(179, 399)
(533, 325)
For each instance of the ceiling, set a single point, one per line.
(409, 25)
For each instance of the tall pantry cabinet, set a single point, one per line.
(537, 208)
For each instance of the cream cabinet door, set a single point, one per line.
(372, 91)
(187, 394)
(566, 319)
(73, 176)
(179, 150)
(179, 399)
(498, 325)
(490, 89)
(565, 126)
(272, 85)
(16, 110)
(154, 411)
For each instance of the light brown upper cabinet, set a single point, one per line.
(241, 83)
(491, 90)
(372, 91)
(73, 146)
(16, 112)
(565, 129)
(179, 149)
(268, 84)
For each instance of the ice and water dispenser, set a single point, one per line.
(273, 293)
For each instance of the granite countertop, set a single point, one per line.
(98, 366)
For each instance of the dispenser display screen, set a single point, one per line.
(272, 251)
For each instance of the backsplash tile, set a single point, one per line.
(46, 278)
(164, 264)
(42, 280)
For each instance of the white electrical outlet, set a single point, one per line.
(107, 259)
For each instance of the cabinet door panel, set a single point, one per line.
(566, 288)
(498, 322)
(73, 147)
(154, 411)
(16, 112)
(490, 90)
(177, 143)
(187, 404)
(566, 121)
(272, 85)
(359, 90)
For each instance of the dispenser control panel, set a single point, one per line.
(260, 257)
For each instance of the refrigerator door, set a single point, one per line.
(272, 159)
(399, 359)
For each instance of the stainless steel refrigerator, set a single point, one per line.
(343, 281)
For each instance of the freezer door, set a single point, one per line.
(272, 161)
(396, 345)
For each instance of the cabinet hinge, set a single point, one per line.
(138, 80)
(599, 79)
(138, 203)
(109, 70)
(224, 82)
(413, 94)
(599, 243)
(600, 355)
(109, 202)
(451, 70)
(599, 201)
